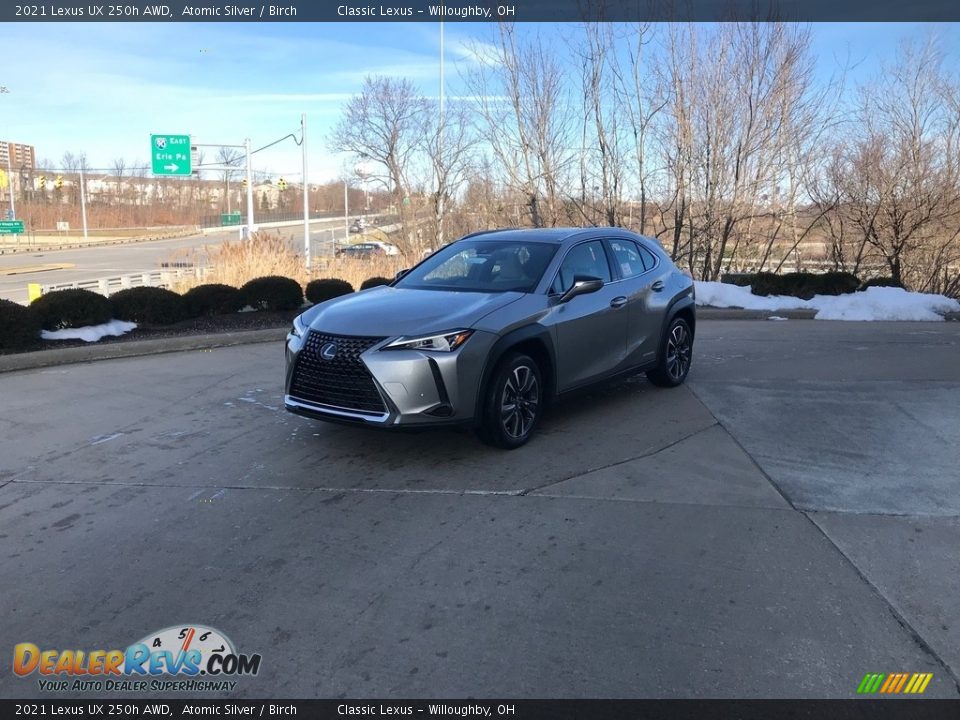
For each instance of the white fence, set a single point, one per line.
(109, 285)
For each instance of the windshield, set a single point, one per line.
(483, 266)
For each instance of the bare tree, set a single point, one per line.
(449, 146)
(521, 96)
(603, 161)
(386, 124)
(641, 95)
(741, 107)
(229, 158)
(898, 179)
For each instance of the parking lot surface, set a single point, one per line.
(780, 526)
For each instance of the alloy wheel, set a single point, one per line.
(519, 402)
(679, 350)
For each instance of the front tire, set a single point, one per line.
(514, 402)
(676, 354)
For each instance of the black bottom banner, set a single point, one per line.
(865, 709)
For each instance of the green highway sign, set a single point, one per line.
(170, 154)
(11, 227)
(230, 218)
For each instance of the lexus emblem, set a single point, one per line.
(328, 351)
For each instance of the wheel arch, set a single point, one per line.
(532, 340)
(684, 307)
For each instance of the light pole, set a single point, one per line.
(251, 226)
(306, 193)
(346, 216)
(13, 207)
(83, 196)
(364, 170)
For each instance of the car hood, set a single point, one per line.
(388, 311)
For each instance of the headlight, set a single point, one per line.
(299, 329)
(442, 342)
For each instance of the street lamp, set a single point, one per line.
(363, 170)
(13, 207)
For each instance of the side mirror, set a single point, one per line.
(582, 285)
(401, 273)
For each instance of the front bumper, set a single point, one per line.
(417, 388)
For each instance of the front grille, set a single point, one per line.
(343, 381)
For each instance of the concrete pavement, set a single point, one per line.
(721, 539)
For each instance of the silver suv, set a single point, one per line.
(490, 329)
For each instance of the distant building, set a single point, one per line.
(20, 155)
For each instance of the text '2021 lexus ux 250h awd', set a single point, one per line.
(491, 328)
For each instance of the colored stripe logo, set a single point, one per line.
(894, 683)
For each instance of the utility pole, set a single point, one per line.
(443, 126)
(13, 206)
(83, 198)
(346, 216)
(306, 193)
(251, 227)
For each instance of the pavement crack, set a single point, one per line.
(902, 621)
(911, 631)
(651, 453)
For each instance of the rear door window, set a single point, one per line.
(627, 256)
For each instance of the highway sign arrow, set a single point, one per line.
(171, 155)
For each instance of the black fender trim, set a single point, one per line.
(680, 302)
(503, 345)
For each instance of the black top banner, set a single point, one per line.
(456, 709)
(486, 11)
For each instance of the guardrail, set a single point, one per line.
(109, 285)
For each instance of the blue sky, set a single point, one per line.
(103, 88)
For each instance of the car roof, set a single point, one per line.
(557, 235)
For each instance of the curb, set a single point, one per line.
(159, 346)
(712, 313)
(75, 246)
(137, 348)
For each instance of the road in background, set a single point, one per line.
(90, 263)
(780, 526)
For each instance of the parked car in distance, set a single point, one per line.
(362, 250)
(359, 225)
(388, 248)
(490, 329)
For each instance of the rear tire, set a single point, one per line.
(514, 402)
(676, 355)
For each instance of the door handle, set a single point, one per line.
(618, 302)
(657, 286)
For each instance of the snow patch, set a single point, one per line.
(91, 333)
(885, 303)
(872, 304)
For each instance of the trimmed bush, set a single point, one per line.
(835, 283)
(213, 299)
(272, 293)
(804, 285)
(738, 279)
(764, 283)
(19, 326)
(63, 309)
(327, 289)
(881, 282)
(374, 282)
(148, 305)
